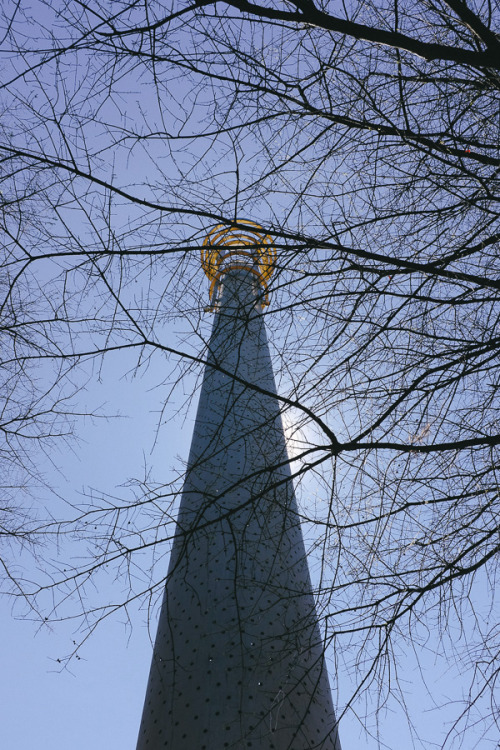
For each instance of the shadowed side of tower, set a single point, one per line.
(238, 659)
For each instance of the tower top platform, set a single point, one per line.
(243, 246)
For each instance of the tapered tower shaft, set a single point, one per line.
(238, 659)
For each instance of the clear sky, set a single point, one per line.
(96, 702)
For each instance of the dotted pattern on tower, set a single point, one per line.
(238, 659)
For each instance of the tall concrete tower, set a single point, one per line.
(238, 659)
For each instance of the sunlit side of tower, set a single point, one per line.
(238, 660)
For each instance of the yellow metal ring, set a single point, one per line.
(261, 257)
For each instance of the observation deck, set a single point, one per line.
(244, 246)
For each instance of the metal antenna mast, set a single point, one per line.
(238, 660)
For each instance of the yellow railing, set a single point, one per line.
(244, 246)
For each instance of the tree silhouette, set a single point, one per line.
(365, 139)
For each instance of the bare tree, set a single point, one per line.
(366, 140)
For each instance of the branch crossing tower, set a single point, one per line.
(238, 660)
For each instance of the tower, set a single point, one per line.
(238, 659)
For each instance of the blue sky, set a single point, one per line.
(97, 700)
